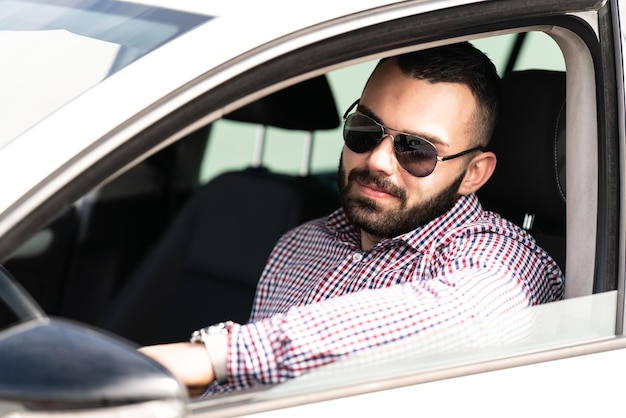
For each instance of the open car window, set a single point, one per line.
(581, 318)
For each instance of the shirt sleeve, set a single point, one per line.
(287, 345)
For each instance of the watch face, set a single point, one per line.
(221, 328)
(196, 336)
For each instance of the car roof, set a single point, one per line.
(271, 7)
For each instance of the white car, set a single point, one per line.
(152, 152)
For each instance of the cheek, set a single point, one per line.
(349, 158)
(421, 189)
(427, 188)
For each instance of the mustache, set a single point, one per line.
(381, 182)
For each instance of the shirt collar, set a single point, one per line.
(466, 209)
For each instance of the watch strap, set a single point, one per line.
(215, 340)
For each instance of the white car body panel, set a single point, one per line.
(548, 389)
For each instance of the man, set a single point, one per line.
(410, 250)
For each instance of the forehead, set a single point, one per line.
(441, 112)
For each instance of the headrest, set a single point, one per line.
(529, 143)
(307, 106)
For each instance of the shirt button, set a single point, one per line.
(357, 257)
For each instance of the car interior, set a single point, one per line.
(187, 278)
(155, 254)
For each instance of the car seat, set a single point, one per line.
(206, 266)
(528, 185)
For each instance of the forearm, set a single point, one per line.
(189, 362)
(287, 345)
(280, 347)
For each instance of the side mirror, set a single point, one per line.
(52, 365)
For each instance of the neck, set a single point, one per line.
(368, 241)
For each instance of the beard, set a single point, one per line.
(369, 216)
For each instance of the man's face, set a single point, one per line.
(378, 195)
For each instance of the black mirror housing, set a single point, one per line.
(58, 365)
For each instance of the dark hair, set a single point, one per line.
(459, 63)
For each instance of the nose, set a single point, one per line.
(382, 159)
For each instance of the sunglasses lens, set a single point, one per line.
(361, 134)
(415, 155)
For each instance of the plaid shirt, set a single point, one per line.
(321, 297)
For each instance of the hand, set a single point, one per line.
(189, 362)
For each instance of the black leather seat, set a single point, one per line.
(528, 185)
(206, 266)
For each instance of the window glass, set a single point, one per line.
(72, 47)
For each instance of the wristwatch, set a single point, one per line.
(215, 340)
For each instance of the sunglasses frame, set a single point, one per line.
(438, 158)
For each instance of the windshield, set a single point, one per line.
(52, 51)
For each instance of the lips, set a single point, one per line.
(371, 186)
(374, 189)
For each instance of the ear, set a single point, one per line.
(478, 172)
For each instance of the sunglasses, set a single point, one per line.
(416, 155)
